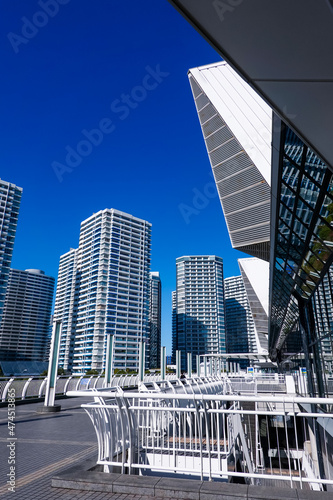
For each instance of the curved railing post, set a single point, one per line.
(9, 383)
(67, 383)
(41, 387)
(89, 381)
(96, 381)
(78, 383)
(25, 388)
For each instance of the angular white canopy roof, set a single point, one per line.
(245, 112)
(283, 49)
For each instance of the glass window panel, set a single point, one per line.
(326, 210)
(311, 268)
(293, 146)
(324, 232)
(319, 248)
(287, 196)
(290, 173)
(304, 213)
(314, 167)
(279, 263)
(284, 229)
(309, 191)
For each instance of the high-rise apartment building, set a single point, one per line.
(174, 326)
(240, 336)
(103, 289)
(25, 326)
(255, 276)
(155, 290)
(200, 320)
(10, 199)
(66, 305)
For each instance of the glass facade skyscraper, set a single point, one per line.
(103, 289)
(295, 326)
(301, 270)
(25, 326)
(199, 307)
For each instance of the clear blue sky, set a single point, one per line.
(74, 72)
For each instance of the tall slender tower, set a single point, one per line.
(155, 320)
(66, 306)
(200, 324)
(255, 275)
(10, 199)
(103, 289)
(239, 322)
(174, 327)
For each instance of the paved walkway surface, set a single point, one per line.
(45, 445)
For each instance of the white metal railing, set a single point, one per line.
(179, 430)
(34, 387)
(258, 383)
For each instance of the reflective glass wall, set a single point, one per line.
(301, 288)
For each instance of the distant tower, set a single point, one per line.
(66, 306)
(155, 320)
(10, 198)
(255, 275)
(174, 327)
(25, 326)
(103, 289)
(200, 323)
(239, 322)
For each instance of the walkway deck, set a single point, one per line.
(49, 444)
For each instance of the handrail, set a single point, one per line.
(22, 385)
(179, 427)
(225, 397)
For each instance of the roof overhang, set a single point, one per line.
(283, 49)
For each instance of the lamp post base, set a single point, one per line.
(48, 409)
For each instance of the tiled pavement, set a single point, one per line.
(45, 445)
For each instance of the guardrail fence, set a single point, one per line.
(200, 427)
(34, 387)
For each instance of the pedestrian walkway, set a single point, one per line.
(48, 445)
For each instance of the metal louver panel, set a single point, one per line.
(239, 181)
(259, 250)
(241, 237)
(230, 167)
(243, 190)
